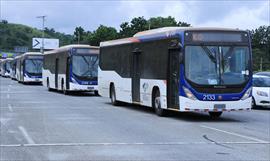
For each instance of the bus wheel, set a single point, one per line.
(156, 104)
(96, 93)
(48, 85)
(113, 96)
(215, 114)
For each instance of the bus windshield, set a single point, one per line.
(85, 67)
(217, 65)
(33, 66)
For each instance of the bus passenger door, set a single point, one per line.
(173, 78)
(68, 72)
(56, 72)
(135, 76)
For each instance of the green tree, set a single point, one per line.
(79, 34)
(103, 33)
(261, 47)
(157, 22)
(137, 24)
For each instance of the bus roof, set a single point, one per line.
(7, 59)
(31, 53)
(68, 47)
(164, 32)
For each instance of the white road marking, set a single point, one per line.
(235, 134)
(10, 108)
(26, 135)
(134, 143)
(8, 96)
(8, 89)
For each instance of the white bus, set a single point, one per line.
(13, 69)
(29, 67)
(180, 69)
(6, 67)
(71, 68)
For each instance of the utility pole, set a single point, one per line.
(43, 21)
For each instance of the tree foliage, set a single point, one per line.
(20, 35)
(261, 47)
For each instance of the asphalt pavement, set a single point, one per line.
(40, 125)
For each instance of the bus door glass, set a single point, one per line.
(173, 77)
(136, 75)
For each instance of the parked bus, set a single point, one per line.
(13, 64)
(180, 69)
(29, 67)
(1, 60)
(6, 67)
(71, 68)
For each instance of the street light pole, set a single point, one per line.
(43, 21)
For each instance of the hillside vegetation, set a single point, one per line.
(12, 35)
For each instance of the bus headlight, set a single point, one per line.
(262, 93)
(189, 94)
(247, 94)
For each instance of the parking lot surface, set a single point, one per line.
(40, 125)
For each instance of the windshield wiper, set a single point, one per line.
(209, 54)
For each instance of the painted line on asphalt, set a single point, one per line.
(26, 135)
(123, 144)
(235, 134)
(8, 96)
(10, 108)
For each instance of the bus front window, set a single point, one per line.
(8, 67)
(85, 67)
(217, 65)
(33, 66)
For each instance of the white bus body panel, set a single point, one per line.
(122, 85)
(123, 88)
(28, 79)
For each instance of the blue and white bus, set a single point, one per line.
(29, 67)
(180, 69)
(6, 67)
(71, 68)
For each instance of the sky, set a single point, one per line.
(65, 15)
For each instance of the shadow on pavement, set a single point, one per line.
(184, 116)
(75, 94)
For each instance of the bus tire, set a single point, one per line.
(215, 115)
(156, 104)
(96, 93)
(113, 96)
(48, 85)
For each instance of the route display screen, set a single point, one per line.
(204, 36)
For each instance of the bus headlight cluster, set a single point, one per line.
(247, 94)
(189, 94)
(262, 93)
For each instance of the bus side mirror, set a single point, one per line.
(177, 47)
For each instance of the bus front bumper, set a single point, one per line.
(28, 79)
(78, 87)
(187, 104)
